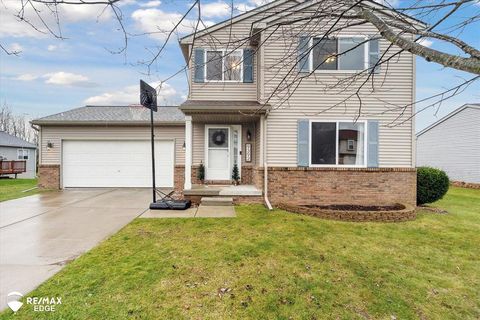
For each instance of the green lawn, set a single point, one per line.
(279, 265)
(12, 188)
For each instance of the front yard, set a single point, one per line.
(278, 265)
(13, 188)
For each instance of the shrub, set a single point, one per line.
(432, 184)
(235, 174)
(201, 172)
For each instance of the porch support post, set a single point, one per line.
(262, 140)
(188, 153)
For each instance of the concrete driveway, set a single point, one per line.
(41, 233)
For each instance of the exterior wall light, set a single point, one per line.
(249, 135)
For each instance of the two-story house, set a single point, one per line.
(269, 94)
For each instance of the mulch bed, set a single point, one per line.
(351, 207)
(349, 212)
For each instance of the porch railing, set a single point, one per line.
(13, 166)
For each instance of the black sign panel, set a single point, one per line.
(148, 96)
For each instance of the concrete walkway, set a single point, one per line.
(41, 233)
(199, 212)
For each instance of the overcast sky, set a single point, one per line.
(50, 75)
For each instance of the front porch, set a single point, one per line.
(223, 137)
(223, 190)
(240, 193)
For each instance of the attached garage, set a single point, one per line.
(109, 146)
(116, 163)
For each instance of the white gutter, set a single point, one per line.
(265, 165)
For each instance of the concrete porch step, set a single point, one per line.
(216, 201)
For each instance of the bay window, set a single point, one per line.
(337, 143)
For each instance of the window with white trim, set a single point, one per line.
(338, 143)
(342, 53)
(22, 154)
(223, 65)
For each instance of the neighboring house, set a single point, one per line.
(453, 144)
(304, 151)
(16, 149)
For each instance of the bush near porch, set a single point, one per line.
(278, 265)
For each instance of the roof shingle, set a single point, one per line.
(114, 115)
(7, 140)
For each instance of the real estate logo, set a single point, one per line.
(13, 301)
(40, 304)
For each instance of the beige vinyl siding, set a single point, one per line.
(313, 99)
(257, 134)
(56, 134)
(198, 143)
(233, 36)
(317, 94)
(225, 90)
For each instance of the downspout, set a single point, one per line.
(39, 146)
(265, 165)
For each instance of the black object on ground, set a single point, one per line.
(168, 203)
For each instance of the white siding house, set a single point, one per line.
(13, 148)
(453, 144)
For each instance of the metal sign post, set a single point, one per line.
(148, 99)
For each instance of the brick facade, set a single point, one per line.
(178, 181)
(295, 185)
(247, 175)
(363, 186)
(49, 176)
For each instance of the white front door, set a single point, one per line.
(217, 156)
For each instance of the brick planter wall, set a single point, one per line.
(364, 186)
(462, 184)
(49, 176)
(358, 216)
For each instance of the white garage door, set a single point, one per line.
(120, 163)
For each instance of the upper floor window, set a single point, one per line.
(348, 53)
(22, 154)
(221, 65)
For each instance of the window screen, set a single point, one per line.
(214, 65)
(324, 52)
(324, 137)
(233, 66)
(351, 54)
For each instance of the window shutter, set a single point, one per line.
(374, 55)
(248, 65)
(372, 149)
(302, 142)
(303, 61)
(199, 72)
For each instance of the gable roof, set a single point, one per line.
(7, 140)
(124, 115)
(188, 39)
(448, 116)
